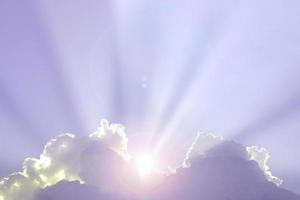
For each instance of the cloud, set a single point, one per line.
(261, 156)
(200, 146)
(99, 166)
(209, 144)
(77, 191)
(218, 169)
(61, 160)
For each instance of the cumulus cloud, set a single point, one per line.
(218, 169)
(209, 144)
(61, 160)
(99, 166)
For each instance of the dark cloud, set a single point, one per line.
(68, 158)
(222, 172)
(99, 167)
(221, 175)
(76, 191)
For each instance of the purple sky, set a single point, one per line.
(165, 69)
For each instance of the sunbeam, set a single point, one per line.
(165, 69)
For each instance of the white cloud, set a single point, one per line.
(261, 156)
(101, 159)
(218, 169)
(202, 143)
(113, 136)
(209, 144)
(60, 160)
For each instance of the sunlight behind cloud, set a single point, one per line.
(145, 165)
(102, 159)
(59, 161)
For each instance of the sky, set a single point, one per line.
(164, 69)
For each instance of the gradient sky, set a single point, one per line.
(165, 69)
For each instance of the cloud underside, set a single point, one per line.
(99, 167)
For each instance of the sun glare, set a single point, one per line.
(145, 165)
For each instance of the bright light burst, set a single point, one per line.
(145, 165)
